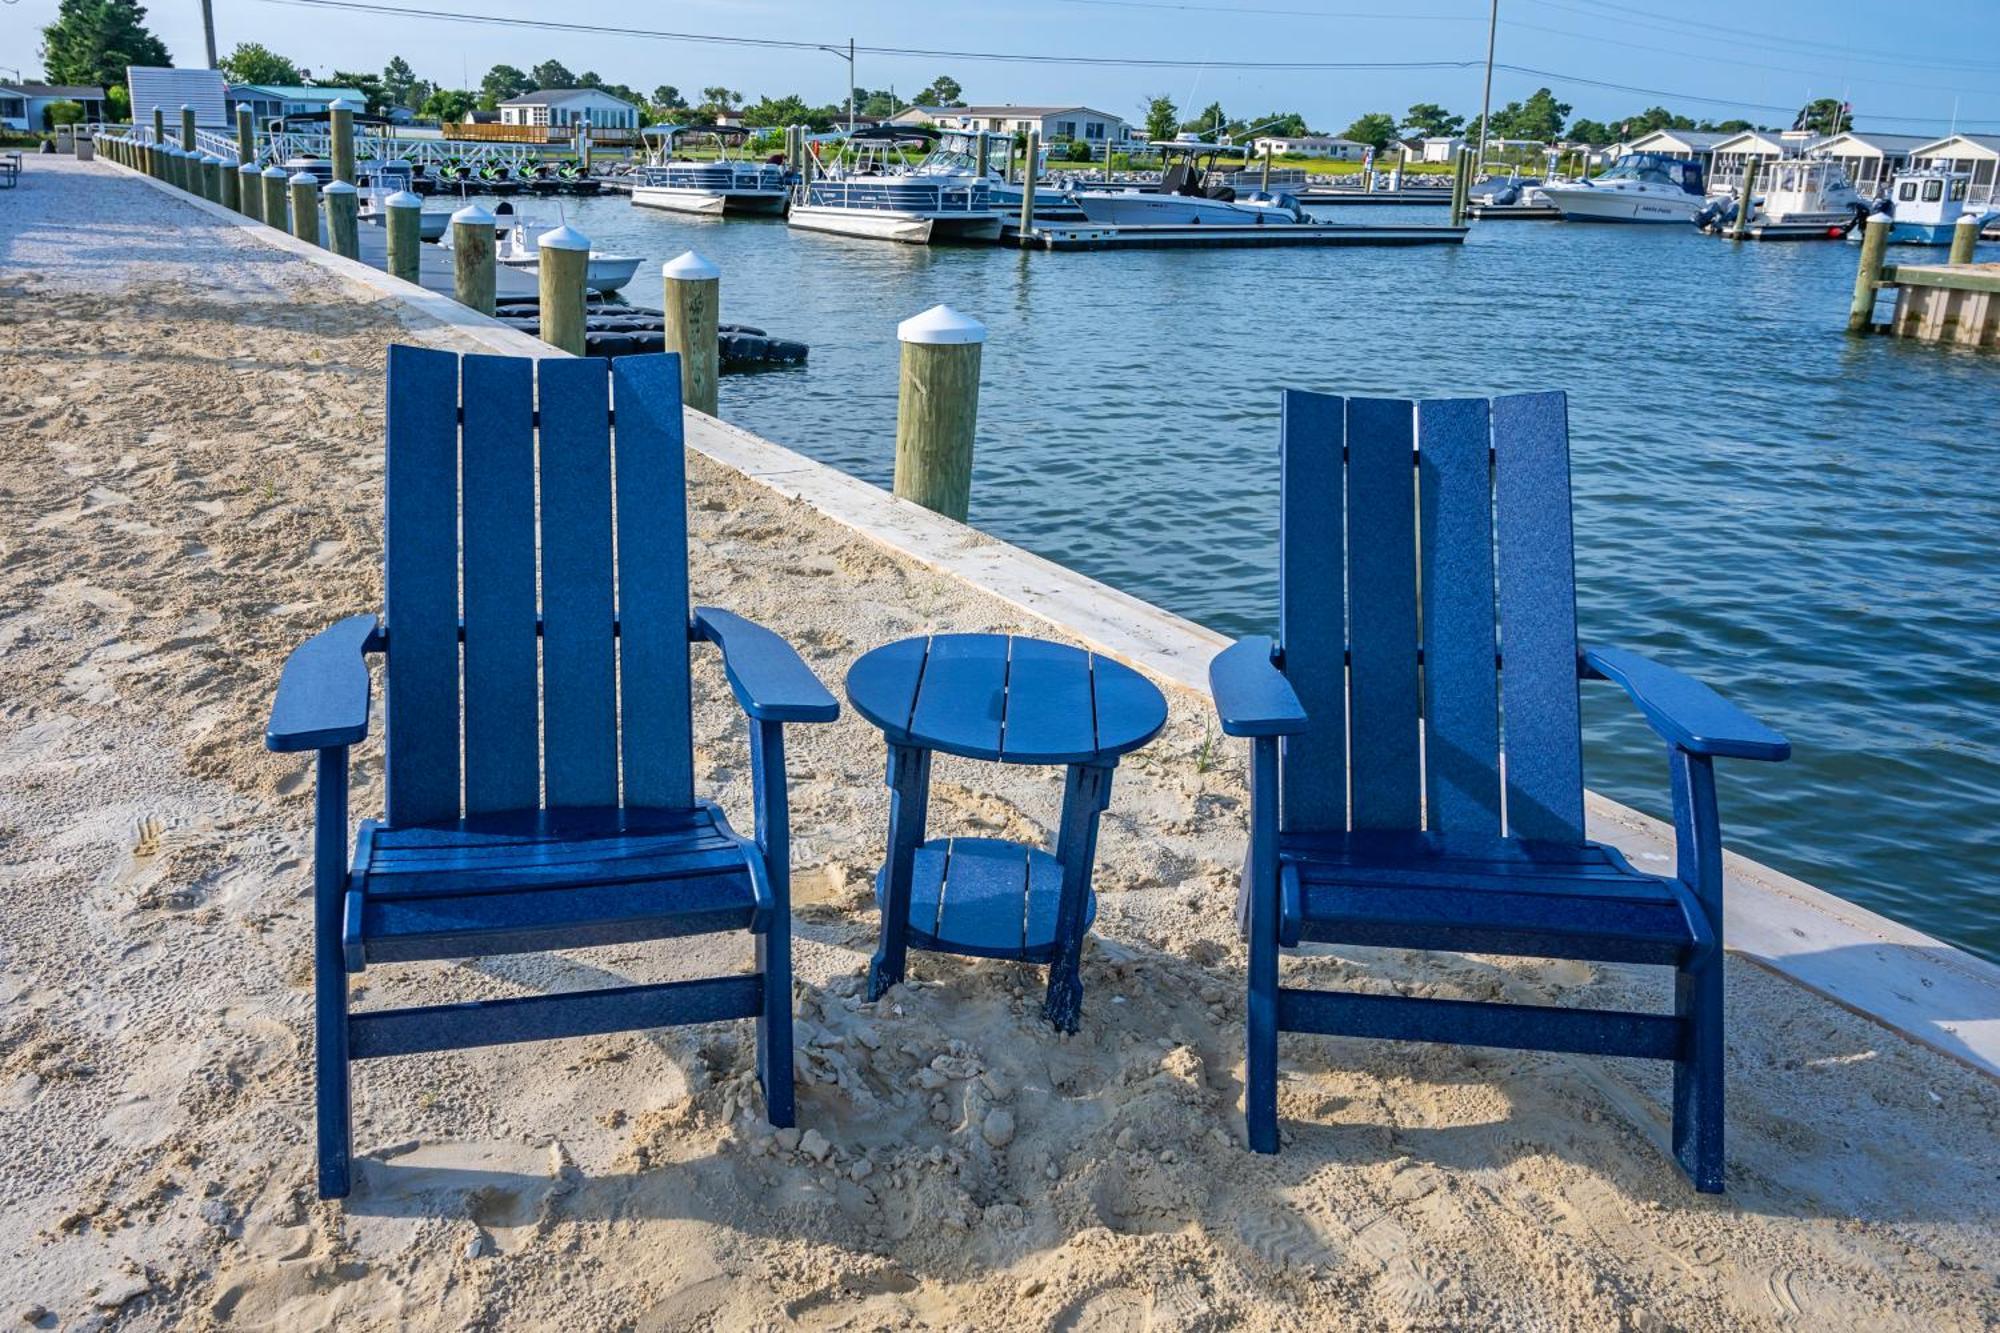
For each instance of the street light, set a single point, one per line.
(848, 56)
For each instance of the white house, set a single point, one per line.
(1310, 145)
(1978, 154)
(1870, 159)
(25, 106)
(1689, 145)
(1441, 148)
(1056, 124)
(563, 108)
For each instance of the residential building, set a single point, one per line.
(1310, 145)
(1869, 158)
(565, 108)
(1977, 154)
(25, 106)
(269, 102)
(1439, 148)
(1688, 145)
(171, 89)
(1056, 124)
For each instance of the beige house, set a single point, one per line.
(1056, 124)
(565, 108)
(1310, 145)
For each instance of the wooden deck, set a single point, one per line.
(1946, 303)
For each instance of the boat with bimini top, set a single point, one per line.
(723, 184)
(1804, 198)
(1190, 193)
(879, 193)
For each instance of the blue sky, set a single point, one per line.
(1907, 65)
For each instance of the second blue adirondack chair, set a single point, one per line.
(1416, 775)
(539, 745)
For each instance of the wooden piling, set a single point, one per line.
(211, 178)
(472, 259)
(1746, 198)
(340, 127)
(246, 134)
(1874, 245)
(343, 208)
(937, 408)
(1265, 185)
(250, 191)
(1027, 215)
(1964, 236)
(1461, 185)
(405, 215)
(305, 207)
(564, 260)
(979, 158)
(274, 197)
(693, 291)
(159, 126)
(228, 185)
(187, 128)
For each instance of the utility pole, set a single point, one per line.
(208, 28)
(1486, 97)
(850, 87)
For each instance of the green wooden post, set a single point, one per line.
(937, 407)
(1265, 185)
(228, 185)
(250, 191)
(405, 226)
(979, 158)
(472, 259)
(340, 127)
(1746, 198)
(305, 207)
(211, 178)
(1027, 214)
(177, 167)
(187, 127)
(1874, 245)
(564, 259)
(1964, 235)
(693, 290)
(1107, 157)
(1461, 185)
(246, 134)
(274, 197)
(343, 208)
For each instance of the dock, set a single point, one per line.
(1156, 236)
(1441, 198)
(1514, 212)
(435, 272)
(1945, 303)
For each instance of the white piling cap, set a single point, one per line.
(228, 160)
(1881, 219)
(250, 169)
(403, 199)
(274, 173)
(941, 326)
(472, 215)
(339, 187)
(305, 178)
(688, 266)
(1967, 220)
(562, 238)
(343, 104)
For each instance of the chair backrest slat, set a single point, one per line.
(656, 730)
(1540, 713)
(1383, 780)
(502, 742)
(420, 574)
(1312, 610)
(1461, 699)
(579, 662)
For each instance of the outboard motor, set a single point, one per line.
(1715, 214)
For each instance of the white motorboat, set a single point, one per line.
(1803, 199)
(1639, 187)
(380, 181)
(1924, 205)
(725, 184)
(515, 246)
(883, 196)
(1189, 194)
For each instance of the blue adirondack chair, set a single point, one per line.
(572, 820)
(1416, 775)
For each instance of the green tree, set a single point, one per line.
(1162, 116)
(1208, 122)
(61, 113)
(718, 99)
(118, 103)
(402, 85)
(880, 104)
(1284, 124)
(1591, 132)
(453, 104)
(1727, 126)
(1825, 115)
(944, 90)
(502, 82)
(765, 112)
(668, 98)
(552, 74)
(252, 62)
(1431, 121)
(92, 41)
(1375, 129)
(374, 97)
(1540, 118)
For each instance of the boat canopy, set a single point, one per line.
(895, 134)
(733, 133)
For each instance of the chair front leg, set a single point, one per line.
(909, 777)
(330, 1064)
(1260, 1081)
(1698, 980)
(772, 804)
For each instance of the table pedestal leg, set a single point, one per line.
(909, 778)
(1085, 794)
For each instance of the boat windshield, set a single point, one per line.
(1655, 170)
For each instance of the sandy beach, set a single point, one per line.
(191, 484)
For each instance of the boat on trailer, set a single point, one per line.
(724, 185)
(1190, 193)
(882, 195)
(1804, 199)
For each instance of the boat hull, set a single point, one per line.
(604, 274)
(709, 203)
(1585, 204)
(884, 224)
(1921, 233)
(1131, 208)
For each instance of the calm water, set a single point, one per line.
(1809, 522)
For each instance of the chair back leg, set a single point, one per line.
(330, 1063)
(774, 946)
(1260, 1076)
(1698, 980)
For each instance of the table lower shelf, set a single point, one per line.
(986, 898)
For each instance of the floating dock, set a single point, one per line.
(1404, 197)
(1514, 212)
(1157, 236)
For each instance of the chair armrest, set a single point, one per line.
(770, 680)
(1252, 697)
(1684, 711)
(323, 692)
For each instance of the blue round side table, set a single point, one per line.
(1008, 700)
